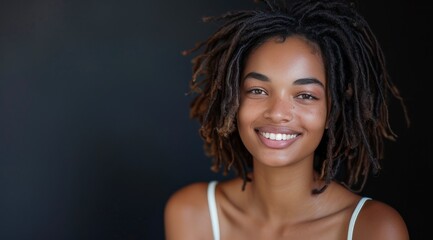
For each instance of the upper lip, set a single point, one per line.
(276, 129)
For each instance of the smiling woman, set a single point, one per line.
(282, 111)
(294, 99)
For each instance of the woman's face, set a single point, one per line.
(282, 113)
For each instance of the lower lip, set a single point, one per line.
(276, 144)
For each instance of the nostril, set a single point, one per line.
(279, 116)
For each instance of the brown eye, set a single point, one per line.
(306, 96)
(257, 91)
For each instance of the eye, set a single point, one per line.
(257, 91)
(306, 96)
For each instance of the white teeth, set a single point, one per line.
(278, 136)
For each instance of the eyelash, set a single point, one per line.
(257, 91)
(306, 96)
(303, 96)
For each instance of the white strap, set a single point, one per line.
(355, 216)
(213, 209)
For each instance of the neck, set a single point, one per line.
(284, 193)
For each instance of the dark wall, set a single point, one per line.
(94, 126)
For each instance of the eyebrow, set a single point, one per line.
(301, 81)
(257, 76)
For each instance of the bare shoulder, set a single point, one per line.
(186, 213)
(378, 220)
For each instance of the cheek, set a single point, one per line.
(243, 117)
(315, 118)
(246, 116)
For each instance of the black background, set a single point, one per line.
(94, 126)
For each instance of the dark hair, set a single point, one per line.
(358, 85)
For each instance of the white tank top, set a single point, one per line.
(214, 212)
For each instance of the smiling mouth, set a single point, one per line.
(278, 136)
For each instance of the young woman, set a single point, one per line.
(294, 100)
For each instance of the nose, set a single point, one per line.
(279, 110)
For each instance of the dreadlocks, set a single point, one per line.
(358, 86)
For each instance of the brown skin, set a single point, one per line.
(278, 203)
(187, 216)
